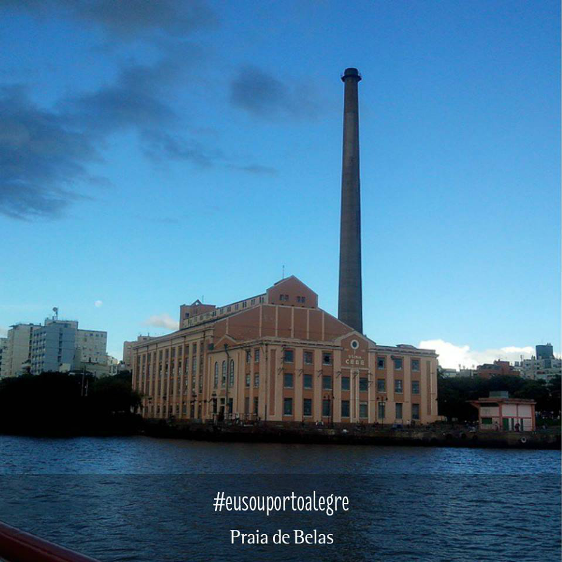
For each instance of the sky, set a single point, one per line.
(154, 153)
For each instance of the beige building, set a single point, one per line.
(127, 351)
(91, 346)
(278, 357)
(17, 351)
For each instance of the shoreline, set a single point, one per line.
(272, 432)
(421, 437)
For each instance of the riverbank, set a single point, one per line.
(355, 435)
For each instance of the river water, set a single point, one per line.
(148, 500)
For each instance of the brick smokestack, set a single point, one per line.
(350, 306)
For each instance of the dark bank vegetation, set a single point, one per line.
(454, 393)
(67, 404)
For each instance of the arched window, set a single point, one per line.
(231, 374)
(216, 382)
(223, 378)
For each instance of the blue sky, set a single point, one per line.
(152, 153)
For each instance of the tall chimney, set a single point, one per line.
(350, 306)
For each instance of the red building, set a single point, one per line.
(498, 367)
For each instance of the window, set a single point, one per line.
(288, 380)
(247, 405)
(380, 363)
(398, 411)
(381, 410)
(415, 364)
(308, 357)
(307, 407)
(345, 408)
(415, 387)
(327, 383)
(415, 411)
(381, 385)
(288, 356)
(326, 407)
(363, 384)
(398, 386)
(397, 363)
(307, 381)
(216, 381)
(345, 383)
(256, 355)
(256, 380)
(248, 380)
(326, 358)
(231, 373)
(248, 356)
(223, 377)
(487, 421)
(256, 404)
(287, 406)
(363, 409)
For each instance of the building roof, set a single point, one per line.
(498, 400)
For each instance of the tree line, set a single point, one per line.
(68, 404)
(454, 392)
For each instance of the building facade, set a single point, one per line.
(52, 345)
(498, 412)
(489, 370)
(59, 345)
(3, 347)
(128, 349)
(17, 351)
(91, 346)
(278, 357)
(543, 366)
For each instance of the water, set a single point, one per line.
(143, 499)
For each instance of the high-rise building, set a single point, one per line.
(59, 345)
(3, 348)
(545, 351)
(53, 345)
(91, 346)
(17, 352)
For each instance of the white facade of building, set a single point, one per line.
(91, 346)
(538, 369)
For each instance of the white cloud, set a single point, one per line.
(98, 304)
(451, 355)
(3, 332)
(162, 321)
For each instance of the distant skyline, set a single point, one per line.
(156, 153)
